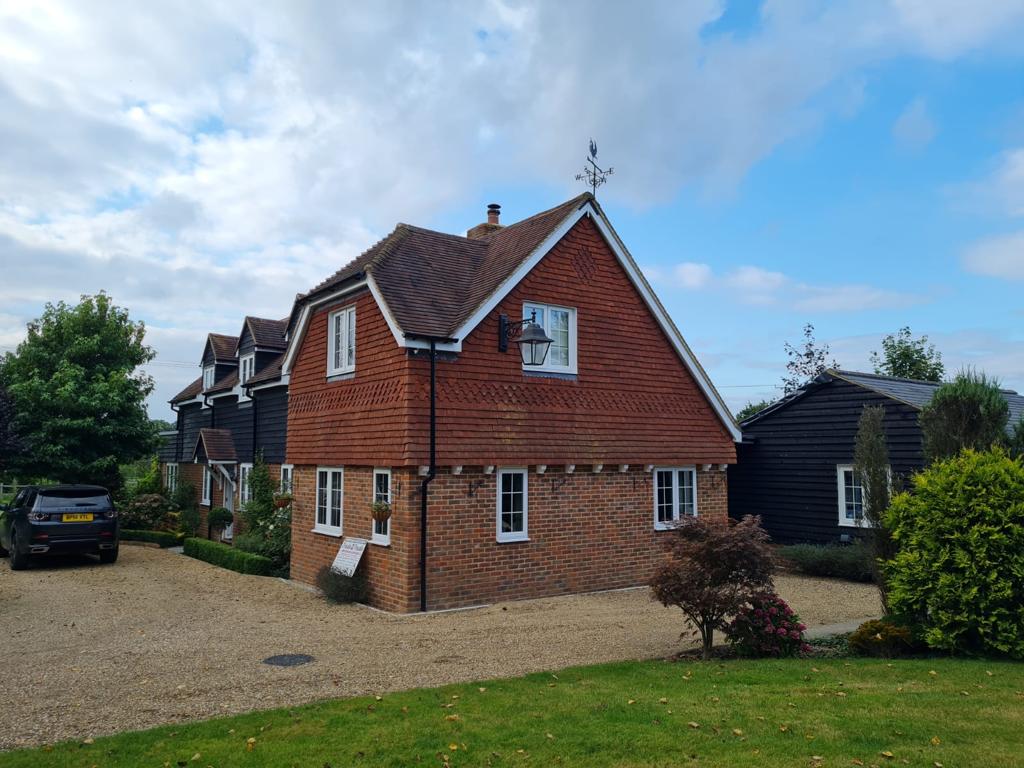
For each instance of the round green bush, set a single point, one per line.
(219, 517)
(339, 588)
(959, 568)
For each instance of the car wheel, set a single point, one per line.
(19, 559)
(108, 555)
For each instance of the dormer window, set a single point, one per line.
(559, 323)
(209, 376)
(246, 367)
(341, 341)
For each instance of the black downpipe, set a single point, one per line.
(430, 476)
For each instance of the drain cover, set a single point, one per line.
(288, 660)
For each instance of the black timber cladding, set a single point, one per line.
(786, 466)
(191, 418)
(271, 406)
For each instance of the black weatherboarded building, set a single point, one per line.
(794, 466)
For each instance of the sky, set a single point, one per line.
(855, 164)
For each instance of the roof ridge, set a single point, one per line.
(885, 377)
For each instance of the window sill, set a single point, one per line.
(533, 373)
(853, 524)
(512, 539)
(341, 375)
(332, 534)
(380, 542)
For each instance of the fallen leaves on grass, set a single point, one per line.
(693, 724)
(250, 744)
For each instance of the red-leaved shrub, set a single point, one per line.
(767, 627)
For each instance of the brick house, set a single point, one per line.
(236, 410)
(539, 480)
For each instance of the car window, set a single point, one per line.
(63, 499)
(19, 498)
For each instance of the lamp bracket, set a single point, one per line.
(510, 329)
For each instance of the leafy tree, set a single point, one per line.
(968, 412)
(1015, 443)
(78, 398)
(909, 358)
(871, 462)
(959, 569)
(10, 443)
(751, 408)
(805, 361)
(713, 570)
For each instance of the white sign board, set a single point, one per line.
(348, 557)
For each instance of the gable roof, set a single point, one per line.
(189, 392)
(266, 333)
(270, 372)
(217, 446)
(223, 346)
(912, 392)
(226, 383)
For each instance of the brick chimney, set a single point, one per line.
(489, 226)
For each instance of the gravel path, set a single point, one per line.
(160, 638)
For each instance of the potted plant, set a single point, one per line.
(282, 500)
(219, 517)
(380, 511)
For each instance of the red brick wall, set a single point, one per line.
(587, 532)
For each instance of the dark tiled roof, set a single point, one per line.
(189, 392)
(433, 281)
(223, 346)
(224, 384)
(267, 333)
(270, 372)
(217, 445)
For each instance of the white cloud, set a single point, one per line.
(692, 275)
(1000, 256)
(914, 128)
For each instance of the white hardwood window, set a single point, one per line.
(341, 341)
(244, 491)
(513, 505)
(209, 376)
(559, 323)
(287, 472)
(675, 495)
(172, 478)
(246, 367)
(851, 496)
(330, 495)
(382, 494)
(207, 486)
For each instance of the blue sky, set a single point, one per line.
(855, 165)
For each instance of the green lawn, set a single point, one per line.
(737, 713)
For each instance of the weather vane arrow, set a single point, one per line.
(594, 174)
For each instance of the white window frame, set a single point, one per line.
(326, 528)
(382, 538)
(172, 477)
(841, 470)
(244, 492)
(209, 376)
(347, 330)
(246, 367)
(523, 535)
(544, 321)
(207, 497)
(678, 512)
(289, 471)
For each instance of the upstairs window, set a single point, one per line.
(559, 323)
(209, 376)
(341, 341)
(675, 495)
(330, 490)
(246, 367)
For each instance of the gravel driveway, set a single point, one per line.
(160, 638)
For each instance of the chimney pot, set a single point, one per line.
(491, 225)
(493, 213)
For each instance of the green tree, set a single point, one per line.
(871, 462)
(968, 412)
(909, 358)
(1016, 442)
(78, 397)
(805, 361)
(10, 443)
(751, 408)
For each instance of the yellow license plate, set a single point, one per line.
(78, 518)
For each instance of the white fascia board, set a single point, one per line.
(670, 329)
(281, 382)
(235, 391)
(196, 399)
(300, 330)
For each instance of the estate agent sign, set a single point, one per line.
(348, 557)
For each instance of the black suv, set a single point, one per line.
(59, 519)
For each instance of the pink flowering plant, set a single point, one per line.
(767, 626)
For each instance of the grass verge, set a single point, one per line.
(736, 713)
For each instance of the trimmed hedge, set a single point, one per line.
(841, 561)
(228, 557)
(163, 538)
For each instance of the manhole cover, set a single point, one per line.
(288, 660)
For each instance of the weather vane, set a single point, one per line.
(594, 174)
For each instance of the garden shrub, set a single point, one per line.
(714, 568)
(219, 517)
(959, 568)
(183, 498)
(163, 538)
(842, 561)
(265, 520)
(767, 626)
(879, 637)
(148, 512)
(339, 588)
(228, 557)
